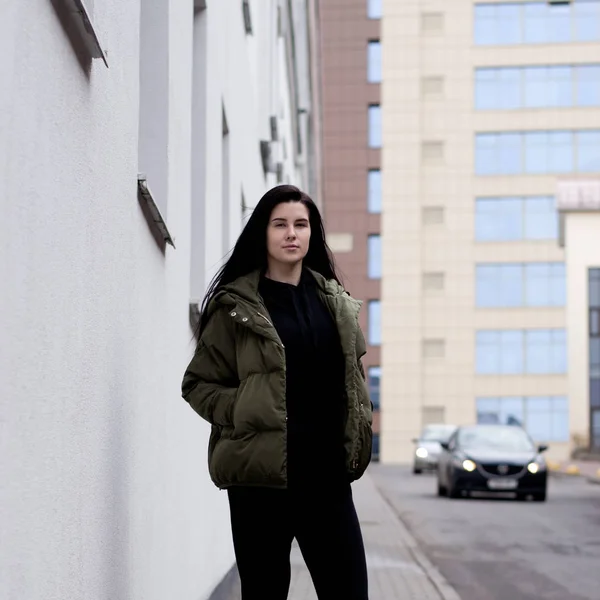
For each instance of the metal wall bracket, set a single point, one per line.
(156, 219)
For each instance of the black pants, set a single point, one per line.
(264, 523)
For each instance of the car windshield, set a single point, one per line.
(510, 438)
(437, 433)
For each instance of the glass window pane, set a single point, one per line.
(485, 285)
(559, 23)
(541, 218)
(509, 153)
(486, 97)
(498, 219)
(374, 62)
(374, 380)
(534, 22)
(588, 85)
(374, 252)
(560, 86)
(374, 191)
(539, 418)
(374, 9)
(488, 352)
(508, 23)
(511, 411)
(374, 316)
(594, 287)
(485, 154)
(537, 277)
(561, 156)
(538, 350)
(559, 351)
(587, 21)
(485, 24)
(508, 92)
(375, 126)
(511, 348)
(588, 151)
(535, 87)
(558, 284)
(560, 419)
(536, 152)
(595, 392)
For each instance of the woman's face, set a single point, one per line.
(288, 233)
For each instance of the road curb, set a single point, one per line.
(594, 480)
(441, 584)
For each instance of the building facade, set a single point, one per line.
(484, 106)
(351, 91)
(578, 200)
(134, 139)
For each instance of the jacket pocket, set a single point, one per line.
(215, 436)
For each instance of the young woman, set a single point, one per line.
(277, 373)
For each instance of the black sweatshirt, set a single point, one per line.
(315, 386)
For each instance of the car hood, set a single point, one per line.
(496, 456)
(431, 447)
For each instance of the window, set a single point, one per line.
(545, 418)
(530, 284)
(374, 9)
(511, 218)
(512, 352)
(375, 126)
(374, 252)
(536, 22)
(374, 316)
(537, 152)
(375, 451)
(374, 62)
(374, 382)
(537, 87)
(594, 355)
(374, 191)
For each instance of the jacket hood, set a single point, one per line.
(245, 288)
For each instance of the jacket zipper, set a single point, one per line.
(269, 322)
(265, 318)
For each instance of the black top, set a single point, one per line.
(315, 388)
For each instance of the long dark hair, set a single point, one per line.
(250, 251)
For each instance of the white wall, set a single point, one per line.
(582, 241)
(105, 491)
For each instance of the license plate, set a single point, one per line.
(502, 484)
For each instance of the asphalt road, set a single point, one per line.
(502, 549)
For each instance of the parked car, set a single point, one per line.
(492, 458)
(428, 446)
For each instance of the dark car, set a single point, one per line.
(492, 458)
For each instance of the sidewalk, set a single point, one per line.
(397, 567)
(585, 468)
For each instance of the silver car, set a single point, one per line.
(428, 446)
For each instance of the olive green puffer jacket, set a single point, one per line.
(236, 381)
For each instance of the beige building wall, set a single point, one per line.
(429, 318)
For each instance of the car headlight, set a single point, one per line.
(469, 465)
(534, 467)
(422, 452)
